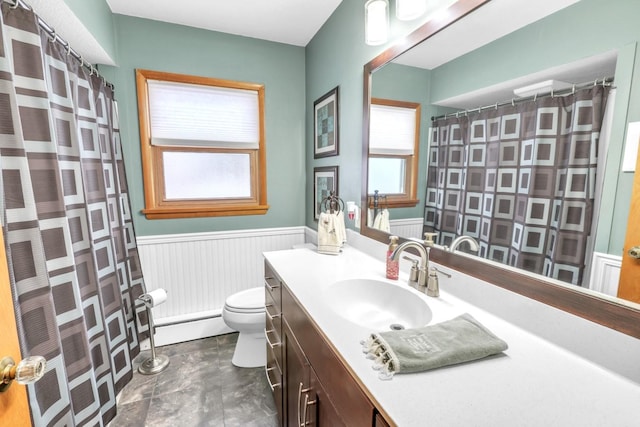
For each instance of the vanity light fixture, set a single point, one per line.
(407, 10)
(376, 22)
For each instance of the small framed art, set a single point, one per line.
(325, 180)
(325, 120)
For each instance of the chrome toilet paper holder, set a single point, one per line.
(157, 362)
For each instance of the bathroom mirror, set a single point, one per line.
(608, 311)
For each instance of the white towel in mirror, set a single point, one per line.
(381, 222)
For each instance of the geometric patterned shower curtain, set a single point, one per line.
(66, 218)
(521, 180)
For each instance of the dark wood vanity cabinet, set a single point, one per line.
(310, 384)
(273, 334)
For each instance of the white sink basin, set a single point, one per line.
(377, 305)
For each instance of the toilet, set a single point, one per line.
(244, 312)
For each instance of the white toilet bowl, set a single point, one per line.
(244, 312)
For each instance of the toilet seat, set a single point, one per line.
(247, 301)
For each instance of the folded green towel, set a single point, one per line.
(458, 340)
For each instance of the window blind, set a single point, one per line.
(191, 115)
(392, 130)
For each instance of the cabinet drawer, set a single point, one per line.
(272, 285)
(273, 313)
(274, 377)
(273, 335)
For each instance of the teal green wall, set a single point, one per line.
(97, 17)
(160, 46)
(587, 28)
(295, 77)
(336, 57)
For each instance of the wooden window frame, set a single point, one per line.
(157, 206)
(409, 197)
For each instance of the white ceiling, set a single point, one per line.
(297, 21)
(286, 21)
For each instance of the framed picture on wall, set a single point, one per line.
(325, 121)
(325, 180)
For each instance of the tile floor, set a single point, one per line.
(199, 388)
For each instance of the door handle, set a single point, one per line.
(28, 371)
(634, 252)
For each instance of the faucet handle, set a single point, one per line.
(413, 274)
(429, 239)
(433, 288)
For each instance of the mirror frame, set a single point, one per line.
(610, 313)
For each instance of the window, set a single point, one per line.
(394, 141)
(202, 144)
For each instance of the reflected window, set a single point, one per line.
(394, 138)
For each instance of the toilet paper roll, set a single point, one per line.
(155, 297)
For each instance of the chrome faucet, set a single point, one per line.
(473, 245)
(421, 281)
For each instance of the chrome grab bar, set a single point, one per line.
(271, 385)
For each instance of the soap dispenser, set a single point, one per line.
(393, 267)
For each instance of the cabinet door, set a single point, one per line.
(296, 377)
(318, 409)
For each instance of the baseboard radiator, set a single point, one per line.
(200, 270)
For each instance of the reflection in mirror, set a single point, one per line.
(445, 82)
(394, 144)
(520, 178)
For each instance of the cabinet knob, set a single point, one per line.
(28, 371)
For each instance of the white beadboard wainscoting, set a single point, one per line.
(410, 227)
(200, 270)
(605, 273)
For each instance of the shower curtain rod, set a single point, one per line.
(607, 81)
(53, 37)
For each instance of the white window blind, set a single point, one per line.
(392, 130)
(193, 115)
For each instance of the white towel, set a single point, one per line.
(328, 240)
(341, 229)
(381, 222)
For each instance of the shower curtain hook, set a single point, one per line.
(53, 34)
(573, 89)
(68, 48)
(513, 102)
(496, 105)
(552, 92)
(15, 5)
(535, 97)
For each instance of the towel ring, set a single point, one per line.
(332, 203)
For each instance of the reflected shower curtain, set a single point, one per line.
(71, 248)
(521, 180)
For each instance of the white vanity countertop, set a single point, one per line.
(534, 383)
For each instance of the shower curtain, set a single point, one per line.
(520, 179)
(74, 267)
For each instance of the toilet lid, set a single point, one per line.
(250, 299)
